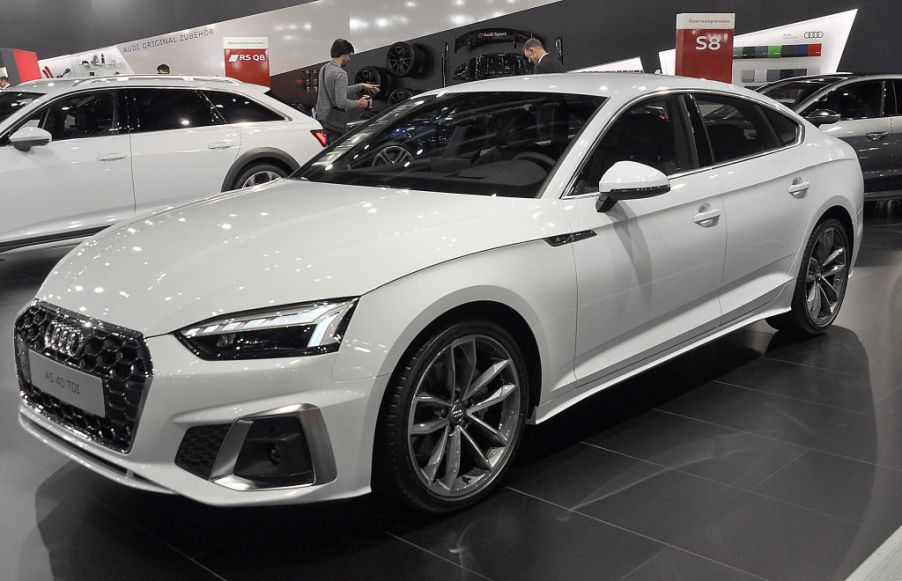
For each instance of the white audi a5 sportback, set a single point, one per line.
(477, 258)
(78, 155)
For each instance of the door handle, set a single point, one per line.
(707, 218)
(221, 145)
(799, 188)
(111, 156)
(877, 135)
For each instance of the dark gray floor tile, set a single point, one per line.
(317, 545)
(859, 436)
(729, 456)
(674, 565)
(844, 390)
(765, 537)
(856, 491)
(83, 540)
(517, 537)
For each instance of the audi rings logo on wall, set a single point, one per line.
(63, 339)
(814, 35)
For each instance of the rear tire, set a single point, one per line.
(821, 284)
(258, 174)
(452, 419)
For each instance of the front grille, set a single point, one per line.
(199, 449)
(116, 355)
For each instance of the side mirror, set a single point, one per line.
(27, 137)
(628, 180)
(823, 117)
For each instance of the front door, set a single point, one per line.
(649, 273)
(78, 183)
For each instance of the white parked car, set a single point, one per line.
(77, 155)
(478, 258)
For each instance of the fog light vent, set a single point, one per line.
(275, 453)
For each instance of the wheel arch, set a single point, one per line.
(271, 155)
(493, 311)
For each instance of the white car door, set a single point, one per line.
(764, 197)
(181, 148)
(648, 270)
(78, 183)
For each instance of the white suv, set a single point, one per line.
(77, 155)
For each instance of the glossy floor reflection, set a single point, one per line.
(754, 457)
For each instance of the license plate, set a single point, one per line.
(66, 384)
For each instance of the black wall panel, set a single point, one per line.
(598, 31)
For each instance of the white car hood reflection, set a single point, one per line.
(284, 243)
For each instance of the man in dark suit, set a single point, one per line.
(542, 62)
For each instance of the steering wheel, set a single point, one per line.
(546, 161)
(392, 153)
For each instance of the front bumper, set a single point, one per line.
(187, 392)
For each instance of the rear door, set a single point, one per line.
(764, 195)
(78, 183)
(181, 147)
(866, 125)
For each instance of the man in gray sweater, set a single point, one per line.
(335, 97)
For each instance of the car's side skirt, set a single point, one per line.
(73, 235)
(581, 392)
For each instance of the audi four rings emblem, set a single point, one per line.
(64, 339)
(813, 35)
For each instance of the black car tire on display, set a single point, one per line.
(375, 76)
(405, 59)
(821, 285)
(399, 94)
(452, 418)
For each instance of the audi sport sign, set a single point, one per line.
(247, 58)
(704, 46)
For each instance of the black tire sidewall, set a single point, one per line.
(394, 474)
(800, 298)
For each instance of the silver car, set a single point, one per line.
(863, 110)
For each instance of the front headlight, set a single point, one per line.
(305, 329)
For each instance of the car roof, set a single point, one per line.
(53, 86)
(622, 86)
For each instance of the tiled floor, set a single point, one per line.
(754, 457)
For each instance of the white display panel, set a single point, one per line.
(633, 65)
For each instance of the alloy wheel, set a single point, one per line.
(464, 417)
(826, 277)
(392, 155)
(259, 178)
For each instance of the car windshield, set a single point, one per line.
(499, 143)
(792, 93)
(13, 101)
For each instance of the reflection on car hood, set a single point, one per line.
(279, 244)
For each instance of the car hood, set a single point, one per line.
(279, 244)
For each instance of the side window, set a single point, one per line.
(236, 108)
(653, 133)
(79, 115)
(736, 128)
(165, 109)
(856, 101)
(787, 130)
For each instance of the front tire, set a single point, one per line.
(452, 418)
(821, 285)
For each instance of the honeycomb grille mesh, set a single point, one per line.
(199, 448)
(117, 356)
